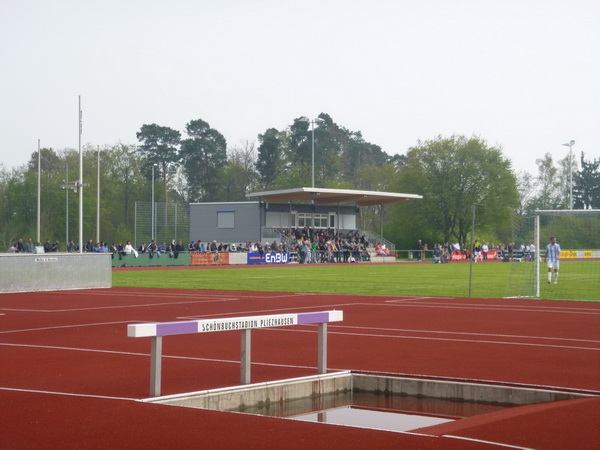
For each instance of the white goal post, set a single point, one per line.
(539, 250)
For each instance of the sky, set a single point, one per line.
(523, 75)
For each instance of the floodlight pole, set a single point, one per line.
(67, 207)
(570, 144)
(472, 252)
(312, 127)
(312, 165)
(39, 193)
(98, 201)
(80, 183)
(152, 209)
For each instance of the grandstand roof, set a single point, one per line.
(331, 196)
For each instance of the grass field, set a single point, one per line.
(579, 280)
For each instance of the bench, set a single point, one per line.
(156, 331)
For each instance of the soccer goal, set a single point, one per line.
(578, 234)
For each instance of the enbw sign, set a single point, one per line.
(277, 258)
(269, 258)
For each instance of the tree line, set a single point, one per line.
(452, 173)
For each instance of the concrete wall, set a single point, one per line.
(54, 271)
(204, 224)
(279, 392)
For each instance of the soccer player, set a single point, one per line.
(552, 255)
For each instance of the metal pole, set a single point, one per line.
(39, 193)
(80, 183)
(246, 340)
(152, 232)
(322, 344)
(155, 365)
(536, 255)
(98, 201)
(312, 122)
(67, 208)
(472, 251)
(571, 175)
(135, 224)
(570, 144)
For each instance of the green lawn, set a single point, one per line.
(578, 280)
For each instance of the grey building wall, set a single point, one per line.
(234, 222)
(238, 222)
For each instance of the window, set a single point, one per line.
(320, 220)
(225, 219)
(306, 220)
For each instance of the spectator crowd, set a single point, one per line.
(306, 245)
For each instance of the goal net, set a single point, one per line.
(578, 234)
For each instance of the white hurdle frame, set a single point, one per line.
(156, 331)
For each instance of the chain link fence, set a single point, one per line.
(163, 222)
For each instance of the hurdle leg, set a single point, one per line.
(155, 365)
(245, 356)
(322, 365)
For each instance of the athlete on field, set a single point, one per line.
(552, 256)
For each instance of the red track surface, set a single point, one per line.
(70, 375)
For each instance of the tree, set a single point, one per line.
(549, 192)
(159, 145)
(586, 192)
(238, 176)
(527, 187)
(203, 154)
(453, 174)
(271, 157)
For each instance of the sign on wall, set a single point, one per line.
(268, 258)
(208, 259)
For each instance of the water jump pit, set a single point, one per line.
(360, 399)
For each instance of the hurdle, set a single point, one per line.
(156, 331)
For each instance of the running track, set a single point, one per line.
(70, 377)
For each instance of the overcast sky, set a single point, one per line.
(521, 74)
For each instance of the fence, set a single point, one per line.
(164, 222)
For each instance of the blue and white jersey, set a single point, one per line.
(552, 252)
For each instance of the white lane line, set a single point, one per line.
(60, 327)
(188, 358)
(500, 444)
(405, 330)
(66, 394)
(508, 306)
(144, 305)
(471, 341)
(496, 308)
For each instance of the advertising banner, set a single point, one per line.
(269, 258)
(209, 259)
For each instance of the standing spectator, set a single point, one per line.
(71, 248)
(419, 250)
(29, 247)
(88, 246)
(152, 249)
(532, 252)
(47, 246)
(120, 250)
(129, 249)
